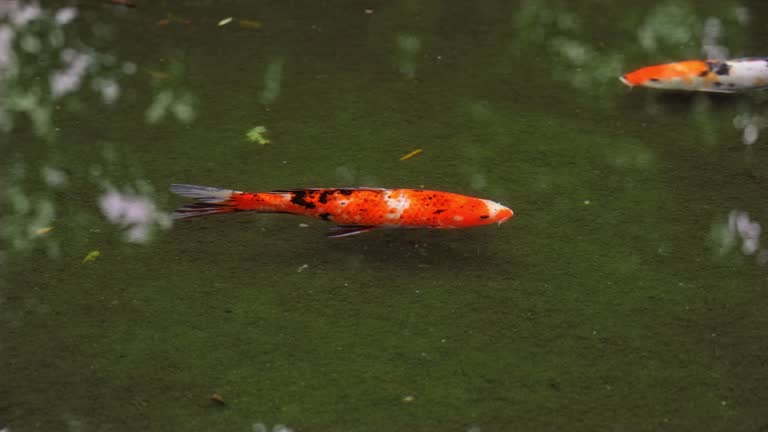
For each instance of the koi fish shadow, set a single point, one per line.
(685, 101)
(465, 250)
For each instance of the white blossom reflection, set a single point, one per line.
(67, 79)
(28, 32)
(137, 214)
(54, 59)
(742, 232)
(170, 99)
(261, 427)
(713, 29)
(750, 125)
(27, 214)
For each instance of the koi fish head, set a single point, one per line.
(481, 212)
(674, 76)
(498, 213)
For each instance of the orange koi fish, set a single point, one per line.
(354, 210)
(720, 76)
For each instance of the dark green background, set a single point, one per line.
(617, 299)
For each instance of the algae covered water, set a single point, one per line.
(628, 293)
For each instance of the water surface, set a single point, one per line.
(628, 293)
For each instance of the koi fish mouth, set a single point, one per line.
(625, 81)
(506, 217)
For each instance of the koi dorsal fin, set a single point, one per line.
(355, 188)
(348, 230)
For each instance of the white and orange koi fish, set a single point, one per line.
(719, 76)
(354, 210)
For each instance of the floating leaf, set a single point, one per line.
(225, 21)
(92, 255)
(257, 135)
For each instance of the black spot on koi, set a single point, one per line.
(324, 196)
(299, 198)
(720, 68)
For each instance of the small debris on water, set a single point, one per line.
(43, 231)
(411, 154)
(218, 399)
(408, 399)
(302, 268)
(369, 11)
(225, 21)
(303, 225)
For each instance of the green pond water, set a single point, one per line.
(628, 293)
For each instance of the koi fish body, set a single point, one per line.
(354, 210)
(720, 76)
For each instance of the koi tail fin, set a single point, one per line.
(210, 200)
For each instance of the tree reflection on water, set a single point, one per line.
(80, 65)
(742, 233)
(667, 31)
(50, 70)
(35, 89)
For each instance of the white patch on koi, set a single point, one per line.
(745, 74)
(493, 208)
(396, 206)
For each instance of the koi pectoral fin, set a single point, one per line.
(716, 90)
(348, 230)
